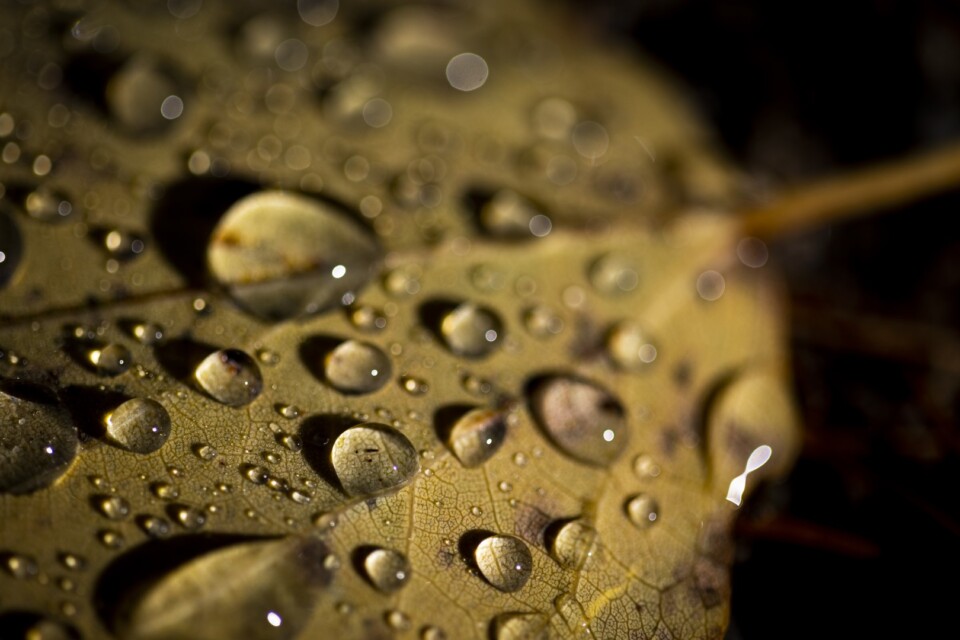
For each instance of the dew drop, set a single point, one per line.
(47, 205)
(521, 626)
(111, 359)
(72, 561)
(38, 439)
(397, 620)
(630, 347)
(644, 467)
(188, 517)
(581, 418)
(504, 561)
(614, 274)
(572, 543)
(431, 632)
(288, 411)
(370, 459)
(11, 247)
(357, 367)
(154, 527)
(290, 442)
(111, 539)
(477, 435)
(542, 322)
(164, 491)
(470, 330)
(507, 214)
(206, 452)
(112, 507)
(304, 261)
(386, 569)
(20, 566)
(255, 474)
(413, 385)
(230, 376)
(140, 425)
(642, 510)
(367, 318)
(147, 333)
(136, 93)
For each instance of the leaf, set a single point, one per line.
(533, 410)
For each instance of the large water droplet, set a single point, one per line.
(256, 590)
(470, 330)
(642, 510)
(572, 542)
(230, 376)
(521, 626)
(370, 459)
(303, 261)
(386, 569)
(140, 425)
(477, 435)
(38, 440)
(581, 418)
(11, 247)
(357, 367)
(504, 561)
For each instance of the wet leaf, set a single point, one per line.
(389, 315)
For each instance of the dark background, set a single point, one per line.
(862, 539)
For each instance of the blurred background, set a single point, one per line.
(862, 539)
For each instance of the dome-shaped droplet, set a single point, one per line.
(504, 561)
(357, 367)
(507, 214)
(572, 542)
(110, 359)
(255, 590)
(371, 459)
(614, 273)
(147, 333)
(630, 347)
(230, 376)
(477, 435)
(20, 566)
(581, 418)
(642, 510)
(11, 247)
(112, 507)
(137, 95)
(386, 569)
(542, 321)
(47, 205)
(38, 440)
(303, 261)
(140, 425)
(521, 626)
(470, 330)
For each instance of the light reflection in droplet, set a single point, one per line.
(757, 459)
(338, 271)
(710, 285)
(171, 108)
(467, 71)
(753, 252)
(274, 619)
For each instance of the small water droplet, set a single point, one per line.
(288, 411)
(504, 561)
(112, 507)
(290, 442)
(20, 566)
(368, 318)
(507, 214)
(136, 93)
(123, 245)
(206, 452)
(370, 459)
(413, 385)
(255, 474)
(542, 321)
(147, 333)
(47, 205)
(386, 569)
(398, 620)
(300, 497)
(72, 561)
(230, 376)
(614, 274)
(140, 425)
(572, 542)
(477, 435)
(304, 261)
(164, 490)
(470, 330)
(403, 281)
(111, 359)
(642, 510)
(154, 527)
(645, 467)
(521, 626)
(581, 418)
(188, 517)
(357, 367)
(111, 539)
(630, 347)
(433, 633)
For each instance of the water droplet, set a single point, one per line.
(507, 214)
(147, 333)
(521, 626)
(112, 507)
(255, 474)
(38, 440)
(288, 411)
(47, 205)
(300, 497)
(183, 603)
(398, 620)
(614, 273)
(477, 435)
(140, 425)
(710, 285)
(645, 467)
(230, 376)
(112, 539)
(386, 569)
(317, 13)
(111, 359)
(467, 72)
(630, 347)
(590, 139)
(72, 561)
(20, 566)
(642, 510)
(370, 459)
(164, 490)
(367, 318)
(753, 252)
(572, 543)
(206, 452)
(504, 561)
(188, 517)
(542, 321)
(433, 633)
(154, 527)
(11, 247)
(136, 92)
(357, 367)
(290, 442)
(304, 261)
(470, 330)
(413, 385)
(581, 418)
(123, 245)
(554, 118)
(403, 281)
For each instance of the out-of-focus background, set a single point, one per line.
(863, 539)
